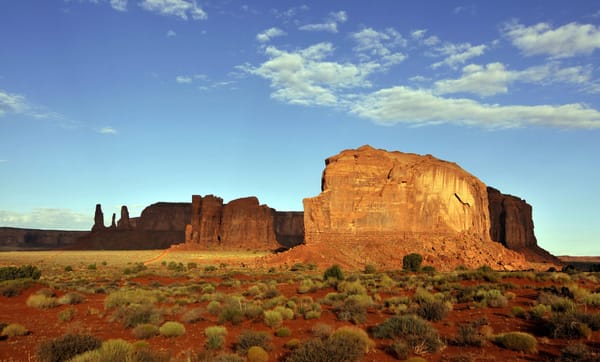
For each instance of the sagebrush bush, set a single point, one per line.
(134, 314)
(517, 341)
(145, 331)
(249, 338)
(41, 301)
(12, 288)
(346, 344)
(433, 310)
(71, 298)
(351, 310)
(273, 318)
(417, 332)
(14, 330)
(67, 314)
(215, 337)
(214, 307)
(469, 334)
(172, 329)
(130, 297)
(283, 332)
(568, 325)
(63, 348)
(193, 315)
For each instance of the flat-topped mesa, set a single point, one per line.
(369, 194)
(239, 224)
(98, 219)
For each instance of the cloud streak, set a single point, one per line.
(178, 8)
(47, 218)
(269, 34)
(329, 25)
(563, 42)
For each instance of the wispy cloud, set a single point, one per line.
(269, 34)
(47, 218)
(3, 161)
(179, 8)
(119, 5)
(11, 103)
(565, 41)
(330, 24)
(171, 33)
(457, 54)
(379, 46)
(107, 130)
(189, 79)
(419, 106)
(494, 78)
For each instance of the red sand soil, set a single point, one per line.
(44, 324)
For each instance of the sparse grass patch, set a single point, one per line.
(249, 338)
(14, 330)
(215, 337)
(67, 315)
(41, 301)
(66, 347)
(145, 331)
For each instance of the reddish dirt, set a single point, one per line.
(92, 318)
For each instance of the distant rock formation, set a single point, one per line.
(35, 239)
(239, 224)
(160, 225)
(98, 219)
(289, 228)
(113, 223)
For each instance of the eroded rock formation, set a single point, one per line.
(98, 219)
(239, 224)
(289, 228)
(124, 222)
(373, 194)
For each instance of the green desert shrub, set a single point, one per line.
(518, 312)
(249, 338)
(171, 329)
(273, 318)
(333, 272)
(257, 354)
(517, 341)
(66, 347)
(214, 307)
(538, 311)
(412, 262)
(283, 332)
(492, 298)
(19, 272)
(115, 350)
(593, 299)
(14, 330)
(129, 297)
(215, 337)
(370, 269)
(352, 309)
(231, 312)
(576, 352)
(145, 331)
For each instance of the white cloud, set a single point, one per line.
(171, 33)
(330, 24)
(418, 34)
(269, 34)
(494, 78)
(565, 41)
(378, 46)
(182, 79)
(304, 77)
(406, 105)
(178, 8)
(12, 103)
(107, 130)
(458, 53)
(47, 218)
(119, 5)
(188, 79)
(289, 14)
(431, 41)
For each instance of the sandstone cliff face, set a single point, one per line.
(373, 194)
(124, 222)
(240, 224)
(31, 239)
(289, 228)
(98, 219)
(165, 216)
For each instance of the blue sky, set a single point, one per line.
(133, 102)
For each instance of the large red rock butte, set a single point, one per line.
(377, 206)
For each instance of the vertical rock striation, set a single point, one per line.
(98, 219)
